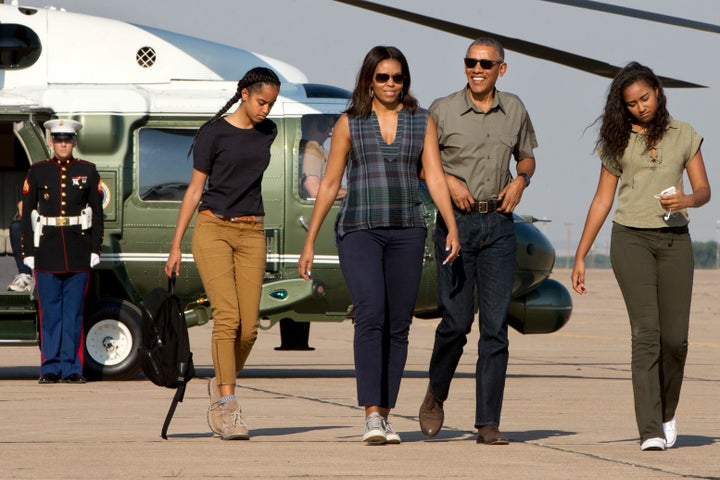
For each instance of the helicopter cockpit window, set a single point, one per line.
(19, 46)
(164, 167)
(312, 153)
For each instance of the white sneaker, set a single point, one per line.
(391, 436)
(22, 283)
(655, 443)
(670, 431)
(374, 429)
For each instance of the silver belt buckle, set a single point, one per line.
(482, 207)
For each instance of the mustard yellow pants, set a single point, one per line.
(230, 258)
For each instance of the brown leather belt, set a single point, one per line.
(251, 219)
(486, 206)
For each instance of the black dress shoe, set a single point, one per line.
(49, 378)
(431, 415)
(74, 378)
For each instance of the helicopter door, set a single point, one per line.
(21, 143)
(32, 140)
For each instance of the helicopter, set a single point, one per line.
(141, 93)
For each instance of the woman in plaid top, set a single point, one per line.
(384, 139)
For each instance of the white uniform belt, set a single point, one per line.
(59, 221)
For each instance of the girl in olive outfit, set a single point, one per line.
(230, 154)
(644, 152)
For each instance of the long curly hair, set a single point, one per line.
(616, 120)
(253, 80)
(361, 101)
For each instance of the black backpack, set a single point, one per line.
(165, 356)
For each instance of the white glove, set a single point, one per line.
(30, 262)
(94, 259)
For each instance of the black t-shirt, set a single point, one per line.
(234, 159)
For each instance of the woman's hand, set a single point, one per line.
(305, 263)
(173, 262)
(578, 277)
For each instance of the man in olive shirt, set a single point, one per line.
(479, 130)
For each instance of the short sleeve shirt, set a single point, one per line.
(235, 160)
(642, 176)
(476, 146)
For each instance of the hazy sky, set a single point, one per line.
(328, 40)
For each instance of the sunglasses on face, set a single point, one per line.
(384, 77)
(485, 63)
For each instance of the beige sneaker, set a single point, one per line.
(233, 426)
(214, 413)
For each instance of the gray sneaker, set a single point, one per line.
(22, 283)
(374, 429)
(214, 413)
(391, 436)
(233, 422)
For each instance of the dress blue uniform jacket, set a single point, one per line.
(59, 188)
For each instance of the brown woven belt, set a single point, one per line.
(251, 219)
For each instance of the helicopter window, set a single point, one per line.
(19, 46)
(164, 167)
(312, 153)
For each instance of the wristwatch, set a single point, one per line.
(526, 177)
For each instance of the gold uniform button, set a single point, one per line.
(64, 194)
(63, 203)
(63, 185)
(62, 212)
(63, 176)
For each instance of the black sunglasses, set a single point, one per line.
(384, 77)
(485, 63)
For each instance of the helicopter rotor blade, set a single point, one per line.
(524, 47)
(640, 14)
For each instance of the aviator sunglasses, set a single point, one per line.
(384, 77)
(485, 63)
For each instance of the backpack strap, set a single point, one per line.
(179, 395)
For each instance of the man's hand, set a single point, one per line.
(511, 195)
(461, 196)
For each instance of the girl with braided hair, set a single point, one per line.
(230, 154)
(644, 153)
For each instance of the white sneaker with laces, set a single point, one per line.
(670, 431)
(655, 443)
(374, 429)
(391, 437)
(22, 283)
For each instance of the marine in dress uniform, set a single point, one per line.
(61, 242)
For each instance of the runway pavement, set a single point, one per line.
(568, 410)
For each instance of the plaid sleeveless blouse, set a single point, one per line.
(383, 184)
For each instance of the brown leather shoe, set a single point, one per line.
(490, 435)
(431, 415)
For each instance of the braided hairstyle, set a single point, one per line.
(616, 120)
(253, 81)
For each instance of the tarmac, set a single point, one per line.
(568, 410)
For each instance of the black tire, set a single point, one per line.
(112, 337)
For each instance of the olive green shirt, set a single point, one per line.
(641, 178)
(476, 146)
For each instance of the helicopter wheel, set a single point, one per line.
(112, 335)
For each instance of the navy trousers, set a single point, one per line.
(61, 298)
(382, 269)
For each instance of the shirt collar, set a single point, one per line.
(470, 105)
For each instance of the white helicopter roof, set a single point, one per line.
(93, 64)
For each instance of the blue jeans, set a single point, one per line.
(382, 269)
(487, 266)
(61, 297)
